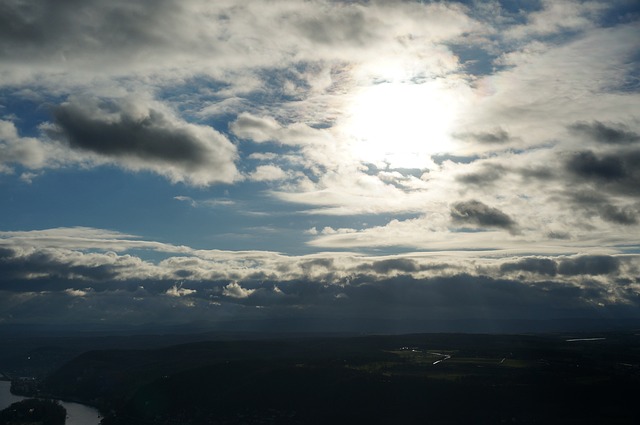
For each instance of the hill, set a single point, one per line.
(33, 411)
(430, 378)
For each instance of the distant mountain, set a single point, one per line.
(273, 328)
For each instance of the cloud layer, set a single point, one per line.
(43, 273)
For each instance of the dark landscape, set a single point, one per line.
(33, 411)
(418, 378)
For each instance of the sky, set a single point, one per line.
(348, 163)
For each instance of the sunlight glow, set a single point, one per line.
(401, 125)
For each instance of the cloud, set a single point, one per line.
(525, 90)
(82, 238)
(179, 291)
(476, 213)
(612, 134)
(51, 38)
(409, 303)
(345, 190)
(187, 199)
(543, 266)
(558, 235)
(615, 171)
(258, 129)
(487, 175)
(211, 203)
(384, 267)
(26, 151)
(234, 290)
(76, 292)
(558, 16)
(497, 136)
(292, 86)
(589, 264)
(47, 263)
(144, 136)
(62, 259)
(265, 173)
(587, 164)
(598, 203)
(282, 71)
(66, 285)
(614, 214)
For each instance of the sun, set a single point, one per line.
(400, 124)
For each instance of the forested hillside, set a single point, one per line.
(440, 379)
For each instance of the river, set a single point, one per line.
(77, 414)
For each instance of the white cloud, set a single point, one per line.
(179, 291)
(257, 129)
(76, 292)
(187, 199)
(26, 151)
(234, 290)
(348, 191)
(82, 238)
(557, 16)
(548, 87)
(264, 173)
(28, 177)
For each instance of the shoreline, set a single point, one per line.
(74, 408)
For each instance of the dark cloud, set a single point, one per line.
(70, 286)
(584, 265)
(614, 134)
(617, 171)
(6, 253)
(559, 235)
(150, 137)
(144, 137)
(614, 214)
(543, 266)
(539, 173)
(476, 213)
(403, 297)
(489, 174)
(497, 136)
(589, 265)
(393, 264)
(50, 264)
(442, 157)
(68, 29)
(596, 203)
(317, 263)
(589, 165)
(17, 23)
(350, 25)
(588, 197)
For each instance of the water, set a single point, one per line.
(77, 414)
